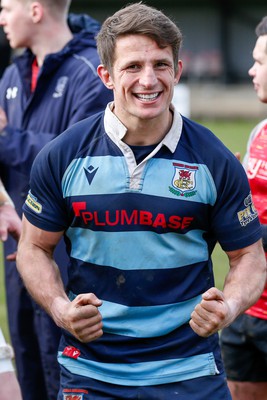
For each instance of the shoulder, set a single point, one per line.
(10, 71)
(203, 140)
(74, 139)
(257, 129)
(9, 83)
(80, 56)
(59, 153)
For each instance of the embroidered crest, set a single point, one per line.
(184, 180)
(72, 396)
(60, 87)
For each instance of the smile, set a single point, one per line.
(147, 97)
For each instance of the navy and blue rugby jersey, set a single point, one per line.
(140, 237)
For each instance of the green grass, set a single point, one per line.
(234, 134)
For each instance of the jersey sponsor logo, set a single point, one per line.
(11, 92)
(134, 217)
(249, 213)
(33, 204)
(71, 352)
(60, 87)
(184, 180)
(90, 173)
(72, 396)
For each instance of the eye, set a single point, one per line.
(133, 67)
(162, 65)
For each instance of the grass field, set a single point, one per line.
(234, 134)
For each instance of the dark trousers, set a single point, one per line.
(34, 336)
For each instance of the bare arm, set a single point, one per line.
(9, 386)
(243, 286)
(8, 381)
(10, 222)
(42, 279)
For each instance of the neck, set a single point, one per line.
(48, 42)
(148, 132)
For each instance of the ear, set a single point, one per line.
(105, 76)
(37, 11)
(179, 72)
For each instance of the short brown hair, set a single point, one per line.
(261, 28)
(59, 6)
(138, 19)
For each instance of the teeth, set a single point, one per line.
(151, 96)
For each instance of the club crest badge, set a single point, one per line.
(73, 396)
(184, 180)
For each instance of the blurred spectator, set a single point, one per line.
(48, 87)
(5, 52)
(244, 342)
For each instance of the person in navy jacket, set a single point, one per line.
(51, 85)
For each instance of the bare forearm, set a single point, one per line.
(42, 280)
(81, 316)
(243, 286)
(246, 279)
(41, 277)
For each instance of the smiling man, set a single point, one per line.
(141, 204)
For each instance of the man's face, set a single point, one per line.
(142, 79)
(259, 69)
(16, 22)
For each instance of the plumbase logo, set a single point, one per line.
(11, 93)
(60, 87)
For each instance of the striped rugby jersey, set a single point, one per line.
(140, 237)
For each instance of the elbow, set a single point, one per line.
(263, 274)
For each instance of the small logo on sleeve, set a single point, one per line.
(249, 213)
(11, 93)
(32, 203)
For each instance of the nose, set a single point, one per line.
(148, 77)
(1, 18)
(251, 70)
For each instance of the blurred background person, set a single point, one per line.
(5, 52)
(244, 342)
(48, 87)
